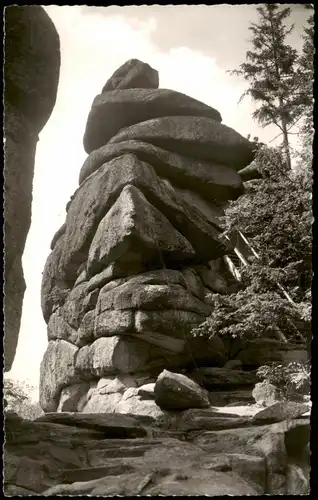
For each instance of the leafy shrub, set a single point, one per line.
(276, 216)
(17, 399)
(251, 315)
(293, 379)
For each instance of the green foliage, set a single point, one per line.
(275, 214)
(306, 79)
(18, 400)
(250, 315)
(280, 81)
(293, 378)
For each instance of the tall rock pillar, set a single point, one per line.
(132, 268)
(31, 74)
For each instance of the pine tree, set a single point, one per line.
(271, 70)
(306, 78)
(275, 214)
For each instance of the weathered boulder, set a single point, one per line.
(147, 391)
(211, 180)
(119, 383)
(99, 195)
(31, 73)
(180, 322)
(59, 233)
(114, 110)
(71, 397)
(127, 234)
(113, 322)
(174, 391)
(54, 290)
(200, 137)
(133, 74)
(136, 405)
(266, 394)
(282, 410)
(85, 333)
(58, 328)
(150, 297)
(296, 481)
(78, 303)
(107, 356)
(57, 371)
(120, 394)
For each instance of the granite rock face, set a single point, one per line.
(31, 73)
(140, 250)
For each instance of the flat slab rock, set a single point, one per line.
(114, 425)
(169, 466)
(214, 377)
(281, 410)
(187, 482)
(151, 297)
(200, 137)
(113, 110)
(209, 179)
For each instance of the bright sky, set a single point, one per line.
(190, 46)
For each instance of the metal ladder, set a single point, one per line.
(239, 258)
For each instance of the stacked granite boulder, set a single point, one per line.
(140, 250)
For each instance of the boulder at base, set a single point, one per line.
(266, 394)
(174, 391)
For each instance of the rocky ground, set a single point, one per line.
(245, 449)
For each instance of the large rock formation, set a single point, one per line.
(130, 274)
(31, 73)
(140, 250)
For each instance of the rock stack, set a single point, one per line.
(30, 77)
(140, 250)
